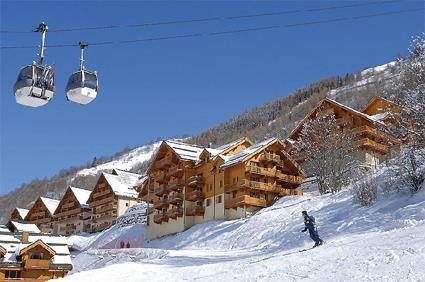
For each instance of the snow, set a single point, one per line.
(383, 242)
(29, 227)
(125, 162)
(185, 151)
(82, 195)
(379, 117)
(123, 184)
(50, 204)
(22, 212)
(234, 159)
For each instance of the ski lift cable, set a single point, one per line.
(207, 19)
(225, 32)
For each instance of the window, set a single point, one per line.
(218, 199)
(35, 255)
(237, 178)
(12, 274)
(208, 202)
(127, 204)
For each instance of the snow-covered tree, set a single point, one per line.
(328, 149)
(408, 91)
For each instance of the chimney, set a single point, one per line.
(25, 237)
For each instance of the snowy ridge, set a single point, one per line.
(126, 161)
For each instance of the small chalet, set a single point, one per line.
(42, 213)
(112, 195)
(28, 256)
(18, 214)
(73, 214)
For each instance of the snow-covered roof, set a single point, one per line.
(23, 226)
(3, 228)
(185, 151)
(13, 245)
(227, 146)
(234, 159)
(22, 212)
(82, 195)
(379, 117)
(51, 204)
(123, 184)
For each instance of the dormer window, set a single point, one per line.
(35, 255)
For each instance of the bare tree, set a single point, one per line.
(328, 149)
(408, 91)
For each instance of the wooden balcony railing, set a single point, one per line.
(369, 131)
(176, 171)
(160, 217)
(261, 170)
(244, 183)
(196, 195)
(161, 190)
(195, 181)
(368, 143)
(289, 178)
(164, 162)
(271, 157)
(244, 200)
(161, 204)
(176, 184)
(176, 198)
(101, 193)
(195, 210)
(36, 264)
(290, 192)
(103, 201)
(175, 212)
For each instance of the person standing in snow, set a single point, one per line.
(310, 225)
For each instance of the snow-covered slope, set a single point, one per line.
(126, 161)
(384, 242)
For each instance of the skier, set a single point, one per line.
(310, 225)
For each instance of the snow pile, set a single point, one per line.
(126, 161)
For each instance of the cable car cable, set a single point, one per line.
(71, 29)
(181, 36)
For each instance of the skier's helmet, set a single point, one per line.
(304, 212)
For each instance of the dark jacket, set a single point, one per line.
(309, 222)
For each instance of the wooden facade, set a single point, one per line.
(18, 214)
(373, 143)
(189, 184)
(42, 212)
(110, 198)
(73, 214)
(33, 257)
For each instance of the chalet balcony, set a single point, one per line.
(101, 193)
(160, 177)
(151, 210)
(369, 131)
(195, 211)
(176, 171)
(290, 192)
(176, 184)
(175, 212)
(244, 200)
(270, 157)
(102, 201)
(245, 183)
(162, 204)
(289, 178)
(372, 145)
(260, 171)
(176, 198)
(105, 208)
(160, 218)
(164, 162)
(37, 264)
(195, 181)
(161, 190)
(194, 196)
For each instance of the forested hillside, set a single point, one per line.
(276, 118)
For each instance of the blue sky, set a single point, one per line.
(175, 87)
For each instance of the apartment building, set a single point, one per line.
(368, 129)
(29, 256)
(190, 184)
(112, 195)
(42, 214)
(73, 214)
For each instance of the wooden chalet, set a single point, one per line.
(189, 184)
(18, 214)
(372, 142)
(42, 213)
(112, 195)
(26, 256)
(73, 214)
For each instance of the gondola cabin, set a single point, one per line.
(82, 87)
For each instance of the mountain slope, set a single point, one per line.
(383, 242)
